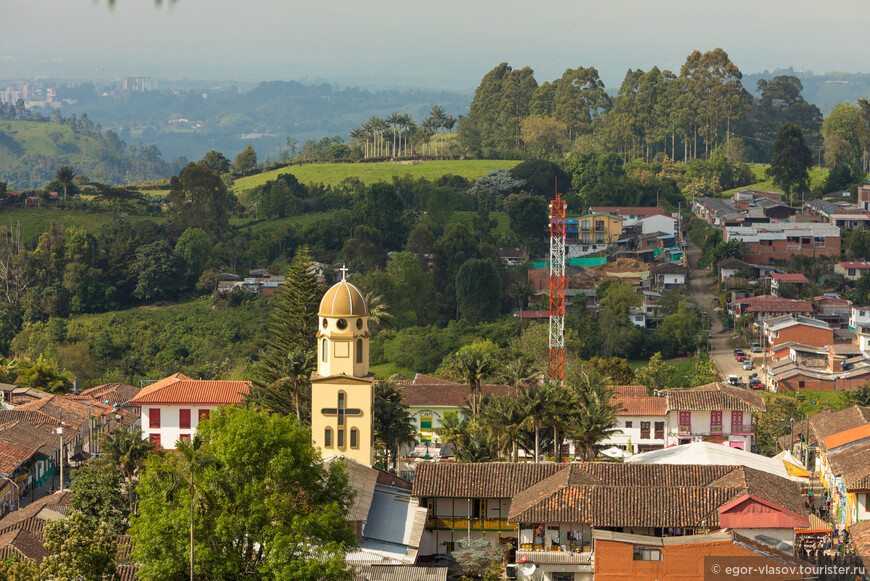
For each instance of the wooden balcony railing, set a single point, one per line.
(461, 523)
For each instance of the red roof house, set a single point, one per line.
(173, 406)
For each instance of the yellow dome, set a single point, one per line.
(343, 300)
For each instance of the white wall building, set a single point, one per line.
(174, 406)
(715, 413)
(659, 223)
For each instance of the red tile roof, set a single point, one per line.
(69, 411)
(428, 391)
(788, 277)
(771, 304)
(180, 389)
(827, 423)
(714, 397)
(847, 436)
(12, 456)
(23, 545)
(853, 466)
(113, 393)
(640, 406)
(856, 265)
(629, 390)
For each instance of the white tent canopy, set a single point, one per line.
(709, 454)
(614, 452)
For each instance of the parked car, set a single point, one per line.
(756, 347)
(755, 383)
(733, 380)
(739, 355)
(747, 364)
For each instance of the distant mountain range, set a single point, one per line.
(193, 122)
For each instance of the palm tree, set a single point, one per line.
(472, 366)
(284, 395)
(394, 121)
(596, 417)
(379, 313)
(65, 175)
(436, 119)
(502, 417)
(392, 421)
(452, 427)
(127, 451)
(538, 405)
(519, 373)
(192, 461)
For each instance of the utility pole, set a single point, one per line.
(60, 454)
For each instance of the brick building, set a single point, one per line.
(778, 241)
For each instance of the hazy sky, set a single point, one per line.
(412, 43)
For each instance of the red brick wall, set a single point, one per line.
(759, 253)
(811, 383)
(806, 335)
(614, 561)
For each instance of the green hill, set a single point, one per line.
(369, 173)
(31, 151)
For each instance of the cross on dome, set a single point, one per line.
(343, 270)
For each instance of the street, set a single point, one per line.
(720, 349)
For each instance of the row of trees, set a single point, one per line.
(398, 135)
(684, 116)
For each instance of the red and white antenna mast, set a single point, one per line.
(556, 371)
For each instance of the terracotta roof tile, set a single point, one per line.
(827, 423)
(126, 573)
(12, 456)
(493, 480)
(423, 392)
(23, 545)
(847, 436)
(41, 438)
(114, 393)
(853, 466)
(179, 389)
(69, 411)
(645, 495)
(640, 406)
(629, 390)
(714, 397)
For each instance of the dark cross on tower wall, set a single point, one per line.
(341, 412)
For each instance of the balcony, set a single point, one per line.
(685, 429)
(743, 430)
(461, 523)
(558, 557)
(715, 428)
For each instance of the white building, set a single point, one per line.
(860, 317)
(715, 413)
(659, 223)
(641, 420)
(174, 406)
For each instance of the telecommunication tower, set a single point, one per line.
(556, 371)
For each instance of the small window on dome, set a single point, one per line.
(359, 323)
(325, 323)
(341, 323)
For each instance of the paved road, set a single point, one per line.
(719, 345)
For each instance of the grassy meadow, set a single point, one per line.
(369, 173)
(764, 183)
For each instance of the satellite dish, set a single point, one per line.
(527, 569)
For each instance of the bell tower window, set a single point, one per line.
(359, 351)
(324, 349)
(327, 438)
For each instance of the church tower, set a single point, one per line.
(342, 393)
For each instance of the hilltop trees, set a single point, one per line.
(198, 198)
(791, 161)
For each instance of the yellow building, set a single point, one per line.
(599, 228)
(342, 394)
